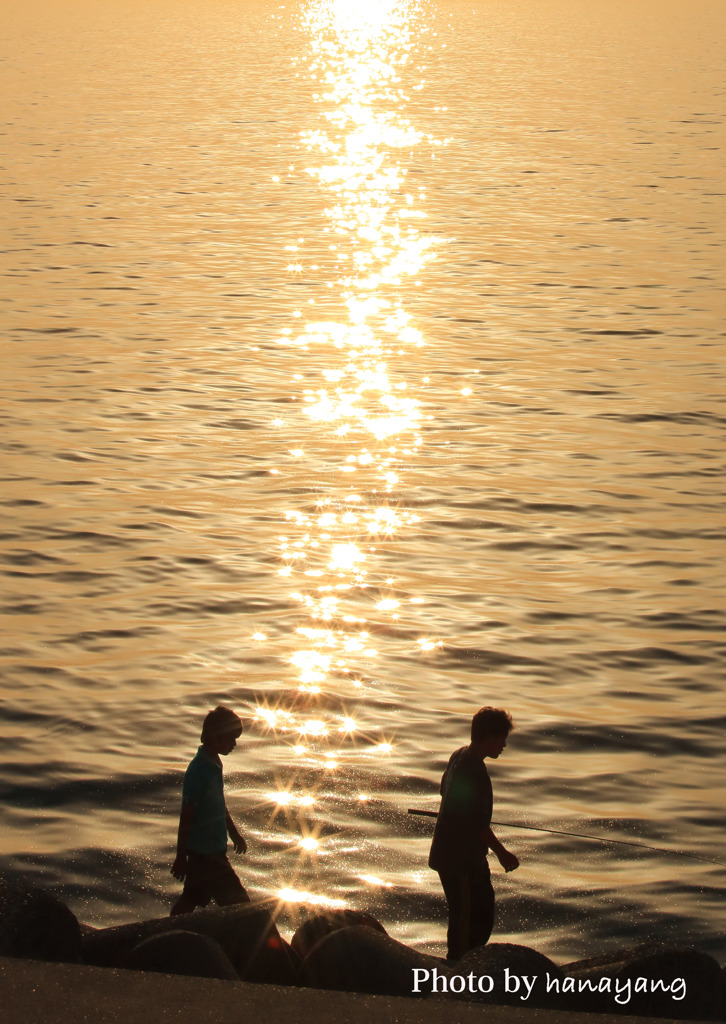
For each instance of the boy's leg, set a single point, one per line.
(482, 908)
(196, 891)
(223, 884)
(182, 906)
(457, 889)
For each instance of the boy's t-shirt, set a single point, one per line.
(466, 811)
(204, 787)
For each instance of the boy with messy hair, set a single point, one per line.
(463, 835)
(204, 824)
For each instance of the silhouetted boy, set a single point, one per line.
(463, 834)
(204, 823)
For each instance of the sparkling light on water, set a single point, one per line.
(357, 402)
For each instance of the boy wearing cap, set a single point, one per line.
(204, 823)
(463, 835)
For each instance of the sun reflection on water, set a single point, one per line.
(290, 895)
(359, 417)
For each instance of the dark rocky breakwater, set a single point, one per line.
(348, 950)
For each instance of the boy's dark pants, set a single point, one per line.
(212, 877)
(470, 897)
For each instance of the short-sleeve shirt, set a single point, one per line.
(204, 787)
(465, 812)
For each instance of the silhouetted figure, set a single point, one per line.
(204, 823)
(463, 834)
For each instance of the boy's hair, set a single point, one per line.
(490, 722)
(220, 722)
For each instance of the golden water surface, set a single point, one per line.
(363, 364)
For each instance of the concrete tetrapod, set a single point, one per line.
(652, 980)
(361, 959)
(246, 932)
(510, 974)
(35, 924)
(182, 952)
(317, 927)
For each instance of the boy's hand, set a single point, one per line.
(238, 840)
(508, 861)
(179, 867)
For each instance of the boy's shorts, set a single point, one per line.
(210, 876)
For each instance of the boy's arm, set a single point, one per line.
(238, 840)
(508, 861)
(179, 867)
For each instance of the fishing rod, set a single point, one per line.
(582, 835)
